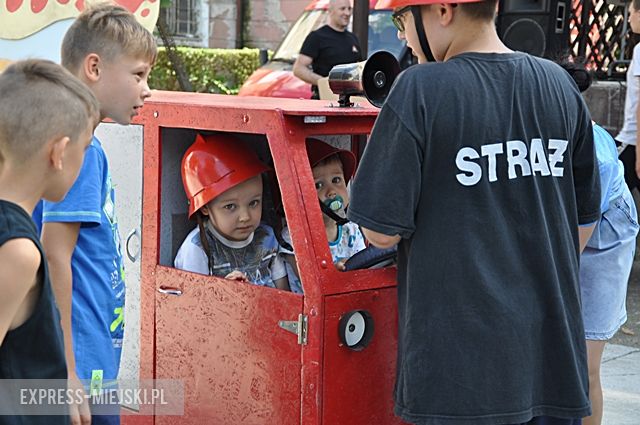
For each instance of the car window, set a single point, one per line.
(290, 46)
(382, 34)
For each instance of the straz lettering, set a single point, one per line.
(521, 161)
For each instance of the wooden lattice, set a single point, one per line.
(600, 35)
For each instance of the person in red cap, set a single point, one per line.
(223, 182)
(481, 167)
(332, 169)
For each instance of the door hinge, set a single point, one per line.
(298, 327)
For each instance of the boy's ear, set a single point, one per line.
(57, 150)
(445, 13)
(91, 67)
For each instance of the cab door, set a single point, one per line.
(222, 338)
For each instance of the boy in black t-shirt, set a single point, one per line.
(488, 157)
(47, 117)
(327, 47)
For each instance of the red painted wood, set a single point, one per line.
(222, 337)
(356, 385)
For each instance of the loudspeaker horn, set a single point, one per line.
(373, 78)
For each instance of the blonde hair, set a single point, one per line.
(107, 30)
(41, 101)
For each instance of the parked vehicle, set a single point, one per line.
(276, 79)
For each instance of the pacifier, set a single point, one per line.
(336, 204)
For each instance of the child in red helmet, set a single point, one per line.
(223, 182)
(332, 168)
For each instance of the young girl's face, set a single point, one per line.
(236, 213)
(329, 179)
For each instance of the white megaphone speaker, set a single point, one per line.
(373, 78)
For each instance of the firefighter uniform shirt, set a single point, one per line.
(485, 166)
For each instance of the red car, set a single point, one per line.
(276, 79)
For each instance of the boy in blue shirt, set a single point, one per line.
(112, 54)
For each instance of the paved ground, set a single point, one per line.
(621, 385)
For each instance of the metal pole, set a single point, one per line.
(583, 32)
(361, 24)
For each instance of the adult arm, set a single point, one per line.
(302, 70)
(637, 147)
(59, 241)
(19, 262)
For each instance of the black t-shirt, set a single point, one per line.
(35, 349)
(328, 48)
(485, 166)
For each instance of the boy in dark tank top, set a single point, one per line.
(41, 151)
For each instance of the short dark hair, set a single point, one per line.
(636, 4)
(483, 10)
(32, 91)
(578, 72)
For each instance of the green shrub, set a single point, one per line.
(209, 70)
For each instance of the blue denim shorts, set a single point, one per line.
(605, 266)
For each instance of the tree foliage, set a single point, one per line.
(209, 70)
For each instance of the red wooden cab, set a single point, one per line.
(228, 340)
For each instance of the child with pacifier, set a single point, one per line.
(223, 181)
(332, 168)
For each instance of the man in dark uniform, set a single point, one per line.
(481, 166)
(328, 46)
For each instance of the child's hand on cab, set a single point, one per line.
(340, 265)
(237, 275)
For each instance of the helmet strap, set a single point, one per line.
(422, 36)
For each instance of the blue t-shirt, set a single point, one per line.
(611, 169)
(98, 272)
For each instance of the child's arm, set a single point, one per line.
(291, 259)
(279, 273)
(19, 262)
(59, 241)
(380, 240)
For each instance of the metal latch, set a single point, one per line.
(299, 327)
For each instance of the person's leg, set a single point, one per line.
(594, 358)
(628, 158)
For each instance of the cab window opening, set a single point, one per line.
(220, 219)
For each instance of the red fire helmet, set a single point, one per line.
(214, 164)
(394, 4)
(317, 150)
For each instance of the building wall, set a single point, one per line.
(270, 20)
(267, 22)
(606, 103)
(222, 24)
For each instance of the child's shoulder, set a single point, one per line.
(22, 257)
(193, 238)
(265, 228)
(351, 228)
(265, 235)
